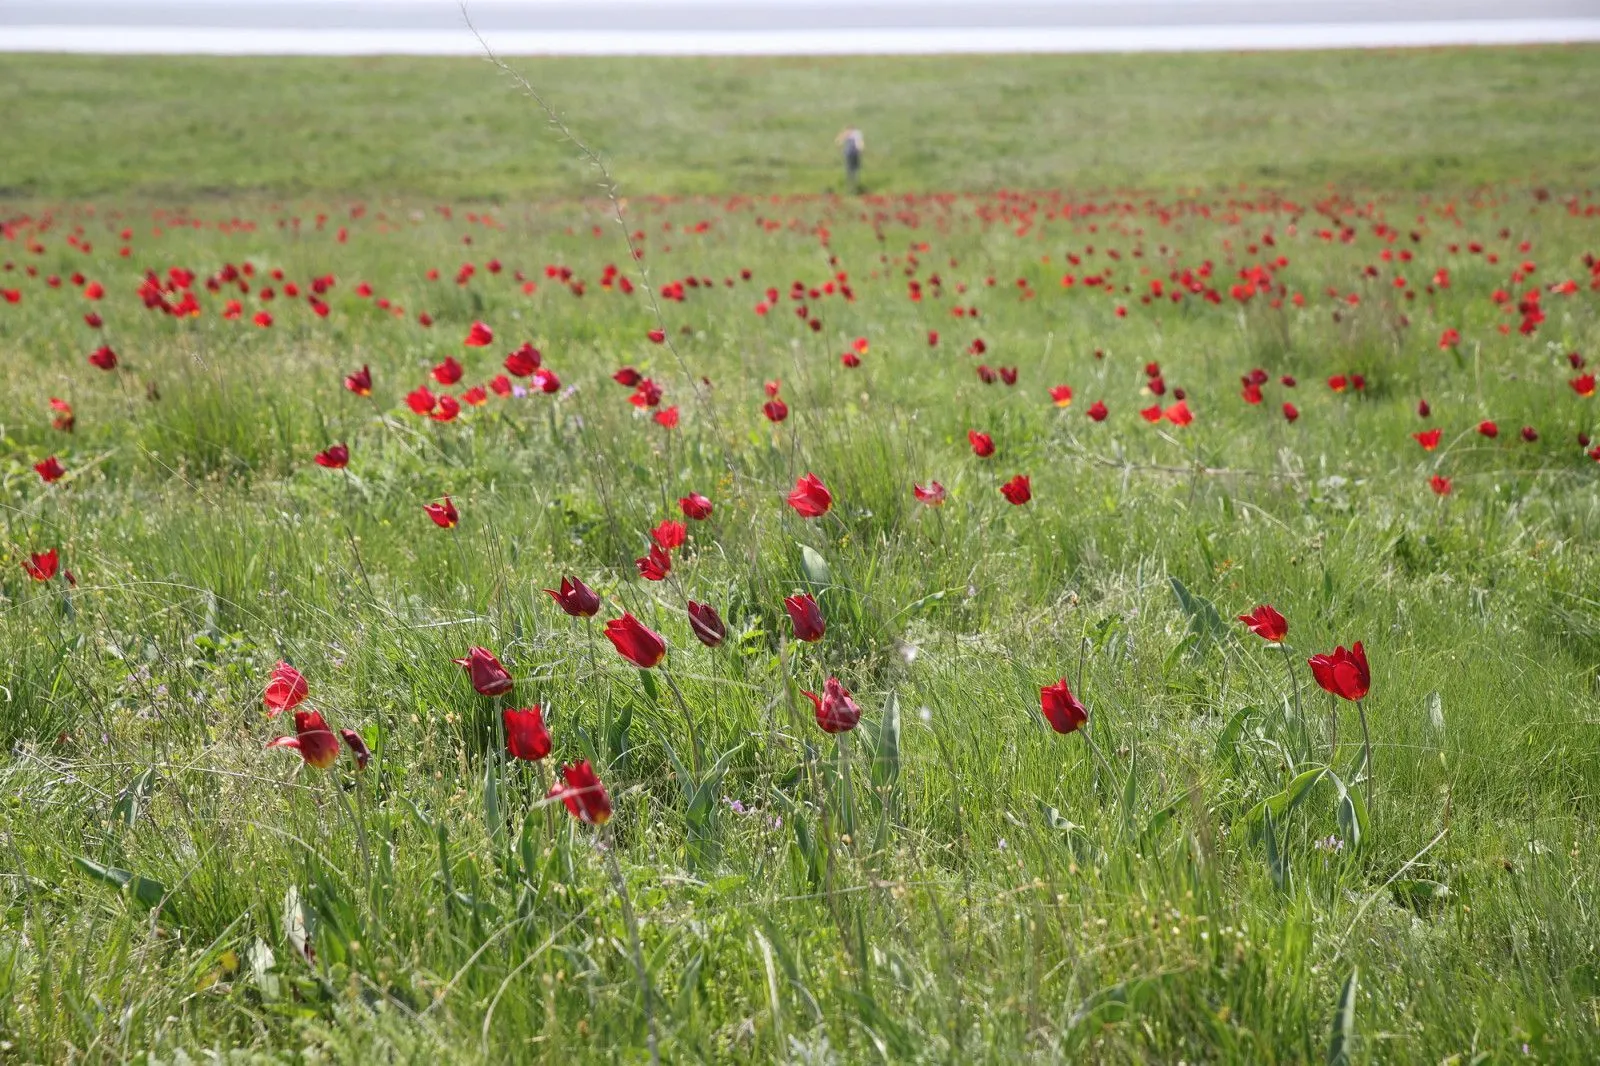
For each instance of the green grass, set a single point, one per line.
(983, 889)
(212, 128)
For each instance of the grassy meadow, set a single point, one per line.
(1212, 308)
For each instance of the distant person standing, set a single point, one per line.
(852, 143)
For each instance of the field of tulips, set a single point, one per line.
(1102, 625)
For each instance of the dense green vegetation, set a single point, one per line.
(1196, 877)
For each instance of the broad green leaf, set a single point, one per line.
(1204, 620)
(133, 797)
(814, 566)
(491, 797)
(886, 757)
(1287, 800)
(143, 889)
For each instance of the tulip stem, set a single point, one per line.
(1294, 683)
(694, 736)
(1366, 749)
(1099, 755)
(349, 531)
(608, 844)
(361, 832)
(847, 789)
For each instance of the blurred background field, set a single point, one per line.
(178, 128)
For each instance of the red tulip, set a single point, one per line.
(360, 382)
(706, 624)
(264, 320)
(636, 642)
(479, 336)
(64, 420)
(313, 740)
(627, 377)
(286, 687)
(932, 496)
(1338, 383)
(335, 458)
(656, 565)
(1429, 438)
(421, 401)
(1530, 434)
(42, 566)
(358, 747)
(1018, 490)
(810, 498)
(545, 380)
(104, 358)
(448, 372)
(775, 410)
(1290, 412)
(1097, 411)
(489, 678)
(475, 396)
(444, 513)
(50, 469)
(1423, 410)
(1488, 428)
(657, 336)
(695, 506)
(667, 418)
(526, 736)
(1343, 673)
(583, 794)
(836, 711)
(645, 394)
(576, 598)
(670, 535)
(1439, 484)
(806, 616)
(449, 407)
(1064, 711)
(1179, 414)
(501, 385)
(1583, 385)
(1266, 623)
(524, 361)
(1151, 413)
(982, 443)
(1061, 395)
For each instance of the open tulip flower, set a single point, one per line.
(443, 513)
(312, 739)
(1343, 673)
(581, 792)
(286, 688)
(576, 598)
(1266, 623)
(42, 566)
(810, 498)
